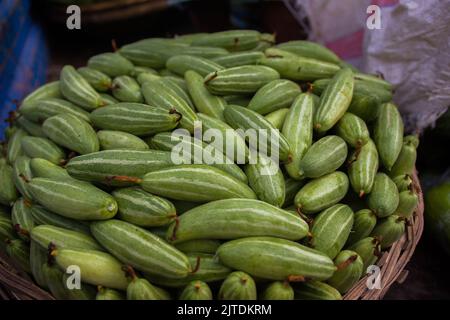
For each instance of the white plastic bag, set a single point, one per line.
(411, 49)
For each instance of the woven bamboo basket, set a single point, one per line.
(17, 285)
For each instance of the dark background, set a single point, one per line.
(428, 276)
(76, 46)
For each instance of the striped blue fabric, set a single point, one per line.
(23, 56)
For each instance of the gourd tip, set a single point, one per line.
(296, 278)
(197, 266)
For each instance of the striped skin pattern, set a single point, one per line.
(48, 90)
(296, 68)
(141, 249)
(21, 219)
(323, 157)
(96, 267)
(368, 249)
(73, 199)
(108, 294)
(204, 101)
(276, 259)
(345, 278)
(52, 276)
(38, 257)
(114, 140)
(103, 165)
(46, 108)
(209, 270)
(237, 59)
(353, 130)
(201, 183)
(179, 87)
(278, 290)
(156, 94)
(36, 147)
(321, 193)
(97, 79)
(182, 63)
(77, 90)
(298, 130)
(19, 252)
(276, 118)
(239, 80)
(142, 208)
(316, 290)
(374, 80)
(8, 192)
(32, 128)
(41, 168)
(22, 174)
(384, 198)
(85, 292)
(71, 132)
(309, 49)
(196, 290)
(363, 223)
(236, 218)
(42, 216)
(6, 231)
(231, 139)
(44, 235)
(204, 52)
(135, 118)
(406, 160)
(291, 187)
(331, 229)
(14, 148)
(361, 89)
(233, 40)
(107, 99)
(334, 101)
(388, 134)
(197, 150)
(408, 201)
(146, 55)
(238, 286)
(242, 118)
(275, 95)
(125, 88)
(141, 289)
(112, 64)
(199, 246)
(363, 166)
(389, 230)
(266, 179)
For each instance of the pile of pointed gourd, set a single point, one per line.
(89, 175)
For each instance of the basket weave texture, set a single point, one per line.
(17, 285)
